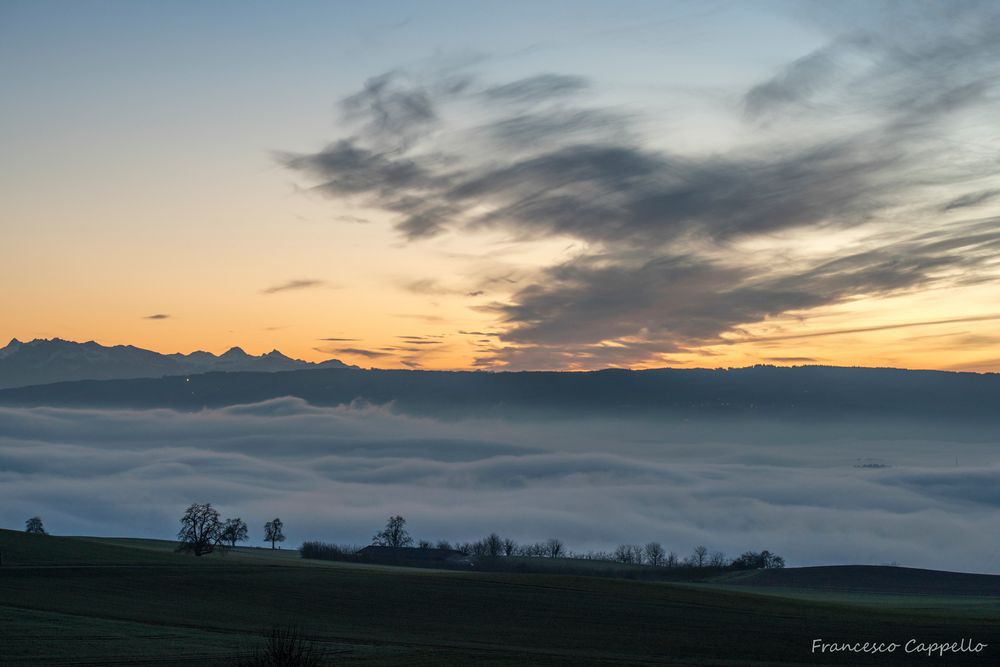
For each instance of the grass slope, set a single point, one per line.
(93, 601)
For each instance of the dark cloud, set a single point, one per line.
(292, 285)
(558, 125)
(157, 316)
(340, 340)
(389, 107)
(663, 267)
(971, 199)
(536, 88)
(670, 303)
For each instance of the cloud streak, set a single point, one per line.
(292, 285)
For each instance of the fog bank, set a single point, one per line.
(815, 494)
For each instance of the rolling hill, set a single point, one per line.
(105, 601)
(766, 391)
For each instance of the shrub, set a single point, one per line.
(326, 551)
(283, 647)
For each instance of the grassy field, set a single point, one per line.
(89, 601)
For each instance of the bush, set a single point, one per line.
(326, 551)
(283, 647)
(753, 560)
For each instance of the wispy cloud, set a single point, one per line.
(292, 285)
(355, 351)
(157, 316)
(855, 330)
(423, 317)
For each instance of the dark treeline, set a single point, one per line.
(203, 531)
(497, 552)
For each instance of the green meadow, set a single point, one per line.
(97, 601)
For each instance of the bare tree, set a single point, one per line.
(717, 559)
(444, 544)
(34, 525)
(638, 554)
(234, 530)
(509, 547)
(201, 529)
(425, 544)
(272, 531)
(672, 559)
(623, 554)
(554, 548)
(493, 545)
(700, 555)
(394, 534)
(655, 554)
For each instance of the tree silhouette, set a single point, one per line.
(272, 531)
(201, 529)
(34, 525)
(494, 545)
(394, 534)
(752, 560)
(700, 556)
(655, 555)
(717, 559)
(509, 547)
(234, 530)
(554, 548)
(623, 554)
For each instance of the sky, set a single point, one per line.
(870, 493)
(559, 185)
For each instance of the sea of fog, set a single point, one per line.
(830, 493)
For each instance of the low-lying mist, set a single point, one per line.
(873, 493)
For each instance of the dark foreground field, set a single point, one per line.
(102, 602)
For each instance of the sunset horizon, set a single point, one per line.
(361, 361)
(529, 203)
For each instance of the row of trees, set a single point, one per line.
(395, 535)
(652, 553)
(203, 530)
